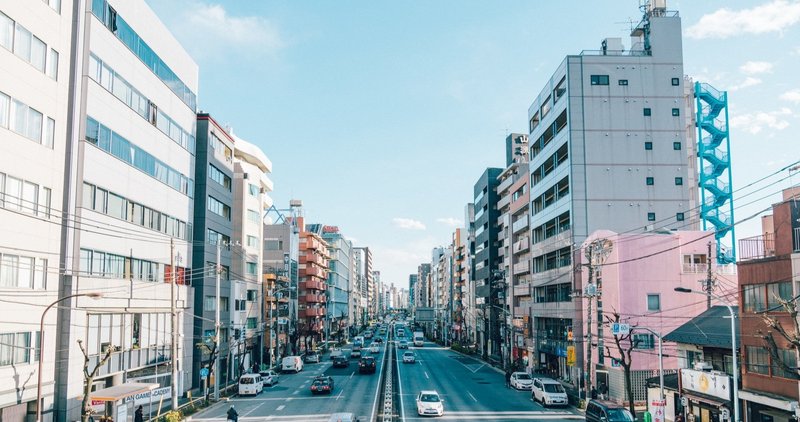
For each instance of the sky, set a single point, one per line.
(381, 115)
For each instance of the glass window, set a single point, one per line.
(651, 216)
(50, 135)
(650, 181)
(20, 118)
(788, 358)
(30, 194)
(676, 146)
(45, 196)
(253, 216)
(9, 270)
(679, 181)
(653, 302)
(648, 112)
(676, 112)
(546, 106)
(35, 120)
(679, 216)
(623, 82)
(644, 341)
(676, 81)
(252, 241)
(648, 146)
(253, 190)
(116, 206)
(599, 79)
(210, 303)
(6, 31)
(22, 43)
(5, 107)
(25, 275)
(754, 300)
(252, 268)
(38, 53)
(13, 193)
(560, 89)
(777, 292)
(757, 360)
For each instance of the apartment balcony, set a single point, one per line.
(520, 224)
(504, 202)
(501, 234)
(758, 247)
(522, 267)
(314, 312)
(314, 298)
(312, 285)
(522, 244)
(506, 183)
(314, 271)
(312, 257)
(311, 243)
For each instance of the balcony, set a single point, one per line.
(314, 298)
(314, 271)
(758, 247)
(312, 285)
(505, 184)
(522, 267)
(314, 312)
(522, 245)
(312, 257)
(504, 201)
(520, 224)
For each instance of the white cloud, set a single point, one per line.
(774, 16)
(748, 82)
(754, 68)
(408, 223)
(754, 123)
(793, 96)
(450, 221)
(207, 29)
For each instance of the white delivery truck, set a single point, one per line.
(419, 339)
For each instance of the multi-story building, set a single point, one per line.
(212, 231)
(251, 185)
(422, 299)
(412, 289)
(281, 259)
(375, 287)
(313, 286)
(471, 313)
(366, 283)
(339, 274)
(488, 290)
(769, 273)
(514, 244)
(358, 301)
(460, 276)
(130, 169)
(35, 105)
(609, 149)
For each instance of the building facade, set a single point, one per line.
(488, 286)
(339, 278)
(313, 285)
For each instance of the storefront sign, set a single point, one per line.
(717, 385)
(144, 398)
(570, 355)
(658, 409)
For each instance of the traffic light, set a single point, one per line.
(569, 333)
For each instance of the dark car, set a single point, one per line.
(378, 340)
(322, 384)
(367, 365)
(607, 411)
(341, 362)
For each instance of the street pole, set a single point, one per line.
(217, 320)
(589, 296)
(174, 314)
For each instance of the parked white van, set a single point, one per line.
(292, 363)
(250, 384)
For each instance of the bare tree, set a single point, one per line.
(88, 378)
(790, 334)
(210, 351)
(625, 344)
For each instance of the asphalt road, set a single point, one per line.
(471, 389)
(291, 399)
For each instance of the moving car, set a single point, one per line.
(322, 384)
(549, 392)
(429, 403)
(311, 357)
(341, 362)
(335, 352)
(269, 377)
(521, 381)
(356, 352)
(342, 417)
(408, 357)
(606, 411)
(367, 365)
(250, 384)
(378, 340)
(292, 363)
(374, 348)
(419, 339)
(403, 344)
(368, 334)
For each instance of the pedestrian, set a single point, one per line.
(508, 379)
(233, 415)
(594, 393)
(679, 418)
(139, 415)
(603, 391)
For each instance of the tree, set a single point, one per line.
(88, 378)
(624, 344)
(210, 351)
(791, 335)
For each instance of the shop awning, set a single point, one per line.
(703, 398)
(771, 400)
(119, 392)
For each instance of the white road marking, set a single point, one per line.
(296, 391)
(351, 375)
(280, 407)
(253, 410)
(426, 376)
(473, 397)
(400, 387)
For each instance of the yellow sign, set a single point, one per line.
(570, 355)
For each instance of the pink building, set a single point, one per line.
(637, 280)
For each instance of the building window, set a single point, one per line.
(753, 297)
(788, 358)
(676, 81)
(676, 112)
(653, 302)
(623, 82)
(218, 176)
(599, 79)
(251, 323)
(678, 181)
(252, 268)
(15, 348)
(251, 295)
(252, 216)
(757, 360)
(776, 291)
(253, 190)
(679, 216)
(223, 304)
(214, 237)
(219, 208)
(651, 216)
(648, 146)
(252, 241)
(534, 122)
(644, 341)
(560, 89)
(648, 112)
(676, 146)
(210, 303)
(650, 181)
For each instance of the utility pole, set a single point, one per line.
(590, 295)
(597, 251)
(174, 314)
(709, 279)
(217, 321)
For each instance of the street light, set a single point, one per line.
(93, 295)
(733, 346)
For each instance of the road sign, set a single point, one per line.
(203, 373)
(658, 410)
(620, 329)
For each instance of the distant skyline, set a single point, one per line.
(381, 116)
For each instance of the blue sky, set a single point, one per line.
(381, 115)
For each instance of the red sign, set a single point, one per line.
(330, 229)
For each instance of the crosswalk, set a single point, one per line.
(274, 418)
(462, 416)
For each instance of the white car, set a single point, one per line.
(408, 357)
(374, 348)
(549, 392)
(429, 403)
(521, 381)
(269, 377)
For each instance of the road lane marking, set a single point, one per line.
(281, 407)
(253, 410)
(296, 391)
(338, 396)
(473, 397)
(400, 386)
(351, 375)
(426, 375)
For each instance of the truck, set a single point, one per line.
(418, 339)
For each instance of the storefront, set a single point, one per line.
(764, 407)
(706, 396)
(114, 403)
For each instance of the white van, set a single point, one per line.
(250, 384)
(548, 392)
(292, 363)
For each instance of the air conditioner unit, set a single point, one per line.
(703, 366)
